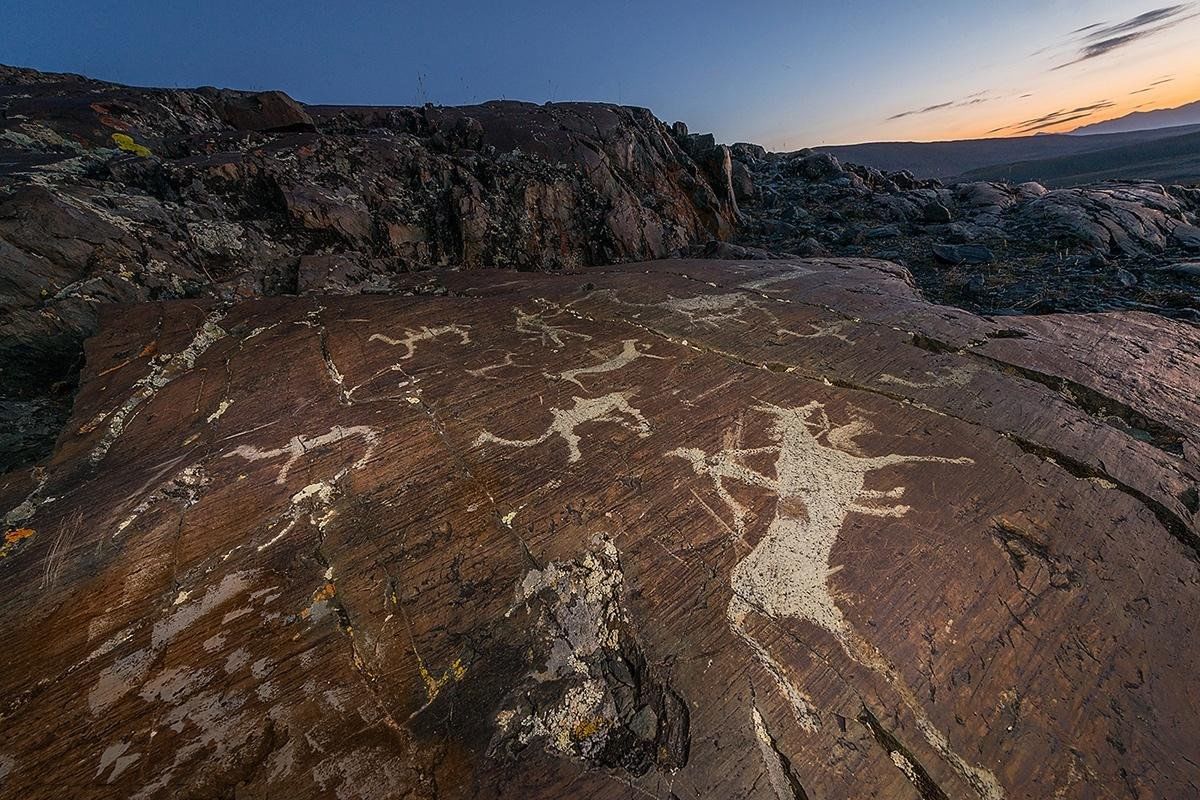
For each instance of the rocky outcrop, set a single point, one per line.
(678, 529)
(1105, 246)
(116, 194)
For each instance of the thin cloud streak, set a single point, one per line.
(1100, 39)
(1134, 23)
(1055, 118)
(970, 100)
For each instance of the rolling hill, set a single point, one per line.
(1171, 160)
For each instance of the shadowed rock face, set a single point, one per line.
(680, 529)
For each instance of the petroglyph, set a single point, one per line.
(612, 407)
(954, 376)
(629, 352)
(817, 483)
(163, 369)
(714, 310)
(549, 335)
(761, 284)
(316, 499)
(487, 370)
(820, 330)
(299, 445)
(348, 394)
(423, 334)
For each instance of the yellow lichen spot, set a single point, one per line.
(587, 728)
(126, 143)
(433, 685)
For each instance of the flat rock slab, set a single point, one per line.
(676, 529)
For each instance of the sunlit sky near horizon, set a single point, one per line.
(785, 74)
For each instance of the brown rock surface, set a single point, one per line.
(680, 529)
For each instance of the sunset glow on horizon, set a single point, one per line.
(781, 73)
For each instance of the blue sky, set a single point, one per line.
(787, 74)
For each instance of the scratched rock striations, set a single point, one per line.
(115, 194)
(679, 529)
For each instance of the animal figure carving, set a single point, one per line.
(818, 482)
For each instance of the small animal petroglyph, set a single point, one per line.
(834, 330)
(316, 499)
(423, 334)
(712, 310)
(549, 335)
(629, 352)
(299, 445)
(612, 407)
(953, 377)
(487, 370)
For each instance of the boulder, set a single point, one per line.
(261, 111)
(1186, 236)
(970, 254)
(745, 151)
(742, 181)
(937, 214)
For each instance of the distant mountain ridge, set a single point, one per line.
(1175, 159)
(1188, 114)
(952, 159)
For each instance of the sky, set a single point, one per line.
(784, 74)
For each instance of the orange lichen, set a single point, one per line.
(18, 535)
(322, 595)
(13, 538)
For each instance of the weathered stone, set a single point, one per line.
(260, 111)
(963, 254)
(1186, 236)
(694, 524)
(936, 213)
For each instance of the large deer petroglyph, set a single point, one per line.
(818, 482)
